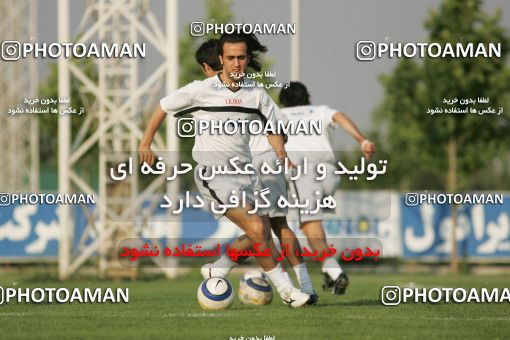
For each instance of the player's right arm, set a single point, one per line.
(181, 98)
(348, 125)
(144, 149)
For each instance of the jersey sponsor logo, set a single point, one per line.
(233, 101)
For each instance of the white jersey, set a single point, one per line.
(210, 100)
(259, 144)
(315, 147)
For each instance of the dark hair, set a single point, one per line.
(294, 95)
(253, 46)
(207, 53)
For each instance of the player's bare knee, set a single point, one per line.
(310, 226)
(257, 232)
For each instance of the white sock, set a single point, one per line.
(287, 276)
(304, 280)
(278, 278)
(222, 266)
(332, 267)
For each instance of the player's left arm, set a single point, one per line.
(278, 145)
(348, 125)
(144, 149)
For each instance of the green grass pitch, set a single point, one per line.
(161, 309)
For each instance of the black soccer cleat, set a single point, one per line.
(314, 298)
(337, 286)
(327, 283)
(340, 284)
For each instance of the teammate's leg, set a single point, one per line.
(334, 277)
(286, 236)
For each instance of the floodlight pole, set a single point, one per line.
(172, 142)
(294, 41)
(64, 143)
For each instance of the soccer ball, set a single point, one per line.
(215, 293)
(255, 291)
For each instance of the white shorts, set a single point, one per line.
(275, 183)
(307, 186)
(221, 188)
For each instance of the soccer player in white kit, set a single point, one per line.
(208, 58)
(317, 149)
(220, 98)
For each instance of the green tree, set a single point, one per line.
(445, 149)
